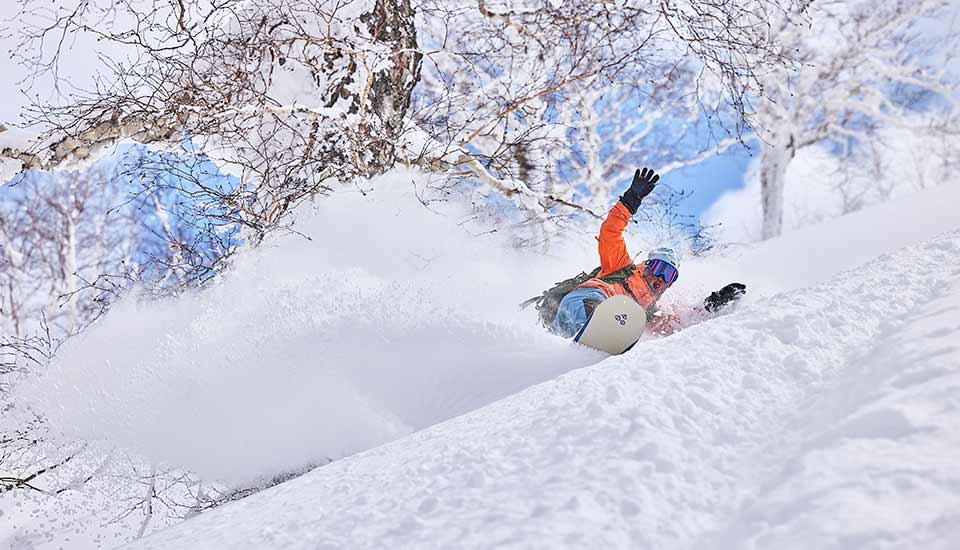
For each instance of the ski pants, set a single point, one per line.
(571, 315)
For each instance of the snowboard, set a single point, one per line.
(615, 325)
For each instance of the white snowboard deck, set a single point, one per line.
(615, 325)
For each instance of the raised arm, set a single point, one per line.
(612, 247)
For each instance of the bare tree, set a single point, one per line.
(290, 95)
(294, 96)
(861, 66)
(508, 91)
(611, 132)
(57, 233)
(73, 242)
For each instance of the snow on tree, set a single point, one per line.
(56, 233)
(71, 241)
(293, 96)
(860, 66)
(289, 95)
(296, 97)
(508, 95)
(610, 132)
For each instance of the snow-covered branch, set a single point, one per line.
(868, 66)
(288, 95)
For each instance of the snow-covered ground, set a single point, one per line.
(823, 417)
(822, 413)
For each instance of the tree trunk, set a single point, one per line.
(391, 24)
(289, 104)
(774, 160)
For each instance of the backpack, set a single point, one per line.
(549, 302)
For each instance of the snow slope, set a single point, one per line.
(316, 350)
(309, 350)
(826, 415)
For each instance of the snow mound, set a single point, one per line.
(780, 422)
(391, 319)
(823, 417)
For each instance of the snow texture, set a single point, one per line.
(820, 186)
(823, 417)
(822, 413)
(311, 350)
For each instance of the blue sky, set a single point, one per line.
(708, 180)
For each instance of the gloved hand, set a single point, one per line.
(723, 297)
(643, 184)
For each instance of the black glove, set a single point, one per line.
(723, 297)
(643, 184)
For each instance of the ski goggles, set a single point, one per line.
(662, 269)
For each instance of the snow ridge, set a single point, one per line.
(801, 420)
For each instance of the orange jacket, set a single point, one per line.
(614, 256)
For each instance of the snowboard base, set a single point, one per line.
(614, 327)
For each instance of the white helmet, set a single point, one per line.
(666, 254)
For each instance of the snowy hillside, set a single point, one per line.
(261, 263)
(822, 416)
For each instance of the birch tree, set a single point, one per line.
(860, 66)
(57, 235)
(289, 95)
(509, 90)
(611, 132)
(298, 96)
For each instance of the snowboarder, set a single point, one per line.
(645, 283)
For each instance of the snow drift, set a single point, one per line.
(399, 312)
(391, 319)
(397, 316)
(820, 186)
(821, 417)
